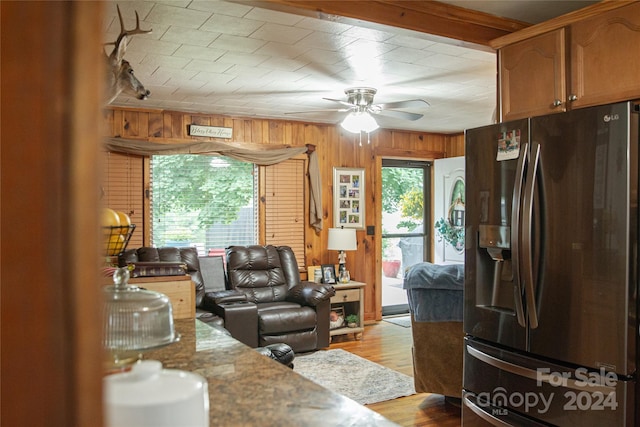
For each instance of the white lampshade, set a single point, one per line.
(342, 239)
(358, 121)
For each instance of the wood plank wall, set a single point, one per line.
(335, 148)
(51, 364)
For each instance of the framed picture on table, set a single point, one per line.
(328, 273)
(348, 197)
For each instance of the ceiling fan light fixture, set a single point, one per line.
(357, 122)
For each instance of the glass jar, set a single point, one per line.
(344, 276)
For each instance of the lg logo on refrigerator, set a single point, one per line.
(609, 118)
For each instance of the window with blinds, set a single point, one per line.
(209, 202)
(122, 189)
(284, 206)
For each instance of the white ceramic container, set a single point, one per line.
(150, 396)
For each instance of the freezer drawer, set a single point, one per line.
(480, 414)
(504, 385)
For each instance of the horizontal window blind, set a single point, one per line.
(284, 203)
(204, 201)
(209, 202)
(122, 189)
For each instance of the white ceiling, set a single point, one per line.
(219, 57)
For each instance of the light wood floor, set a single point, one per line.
(390, 346)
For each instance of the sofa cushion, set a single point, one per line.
(189, 256)
(148, 254)
(258, 272)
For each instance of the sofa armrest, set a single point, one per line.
(212, 300)
(241, 320)
(240, 316)
(310, 293)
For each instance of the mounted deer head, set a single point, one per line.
(120, 77)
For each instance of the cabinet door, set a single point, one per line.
(532, 76)
(605, 57)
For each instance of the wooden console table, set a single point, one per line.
(180, 290)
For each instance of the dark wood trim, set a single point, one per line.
(429, 17)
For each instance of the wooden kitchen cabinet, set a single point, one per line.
(605, 58)
(591, 61)
(532, 76)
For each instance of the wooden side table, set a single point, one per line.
(180, 290)
(349, 296)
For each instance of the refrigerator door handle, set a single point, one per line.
(541, 376)
(516, 204)
(527, 246)
(494, 421)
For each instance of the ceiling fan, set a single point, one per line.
(360, 106)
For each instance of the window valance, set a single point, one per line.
(264, 157)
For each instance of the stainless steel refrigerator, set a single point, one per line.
(551, 270)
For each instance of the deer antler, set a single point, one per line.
(120, 42)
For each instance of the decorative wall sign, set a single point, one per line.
(210, 131)
(348, 198)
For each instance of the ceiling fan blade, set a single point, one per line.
(398, 114)
(345, 103)
(409, 103)
(339, 110)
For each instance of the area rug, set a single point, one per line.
(352, 376)
(404, 321)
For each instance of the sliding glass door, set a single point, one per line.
(405, 209)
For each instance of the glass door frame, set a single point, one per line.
(427, 233)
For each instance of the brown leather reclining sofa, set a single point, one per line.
(264, 302)
(282, 308)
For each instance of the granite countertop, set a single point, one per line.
(249, 389)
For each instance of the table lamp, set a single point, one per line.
(342, 239)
